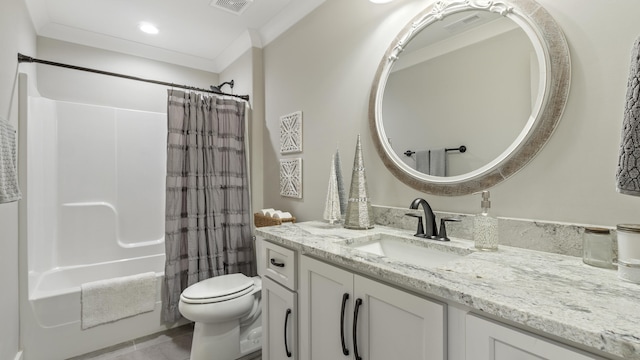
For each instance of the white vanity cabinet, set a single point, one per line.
(277, 265)
(347, 316)
(314, 310)
(489, 340)
(279, 322)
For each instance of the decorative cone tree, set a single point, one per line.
(332, 205)
(342, 193)
(359, 214)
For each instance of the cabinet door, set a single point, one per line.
(324, 325)
(393, 324)
(489, 340)
(279, 321)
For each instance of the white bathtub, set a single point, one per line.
(53, 321)
(56, 301)
(93, 210)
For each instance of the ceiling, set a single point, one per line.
(192, 33)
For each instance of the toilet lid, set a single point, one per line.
(219, 288)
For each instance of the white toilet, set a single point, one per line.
(227, 314)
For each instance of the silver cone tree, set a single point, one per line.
(342, 193)
(332, 205)
(359, 214)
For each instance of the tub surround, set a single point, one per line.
(552, 293)
(85, 219)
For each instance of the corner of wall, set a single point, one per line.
(248, 73)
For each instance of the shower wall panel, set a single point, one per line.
(98, 175)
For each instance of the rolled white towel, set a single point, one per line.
(267, 212)
(282, 215)
(270, 213)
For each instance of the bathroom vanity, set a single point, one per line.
(333, 293)
(330, 291)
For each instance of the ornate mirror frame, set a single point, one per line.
(552, 53)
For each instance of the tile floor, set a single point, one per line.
(173, 344)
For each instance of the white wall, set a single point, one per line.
(84, 87)
(16, 35)
(248, 75)
(324, 66)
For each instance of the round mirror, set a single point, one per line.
(468, 93)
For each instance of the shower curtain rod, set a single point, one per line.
(24, 58)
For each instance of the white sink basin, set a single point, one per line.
(410, 251)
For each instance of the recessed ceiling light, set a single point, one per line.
(148, 28)
(380, 1)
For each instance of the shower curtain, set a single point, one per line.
(208, 215)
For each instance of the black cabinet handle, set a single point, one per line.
(355, 329)
(286, 320)
(275, 263)
(345, 297)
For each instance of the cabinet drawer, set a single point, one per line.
(279, 264)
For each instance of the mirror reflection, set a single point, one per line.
(496, 85)
(469, 80)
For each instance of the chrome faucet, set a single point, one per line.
(430, 230)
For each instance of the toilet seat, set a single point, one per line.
(218, 289)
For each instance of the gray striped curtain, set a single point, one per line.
(208, 215)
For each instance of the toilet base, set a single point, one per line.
(225, 341)
(251, 338)
(221, 341)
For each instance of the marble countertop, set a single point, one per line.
(556, 294)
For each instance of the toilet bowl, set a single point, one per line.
(227, 314)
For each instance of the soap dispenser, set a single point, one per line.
(485, 227)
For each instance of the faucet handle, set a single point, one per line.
(420, 230)
(442, 236)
